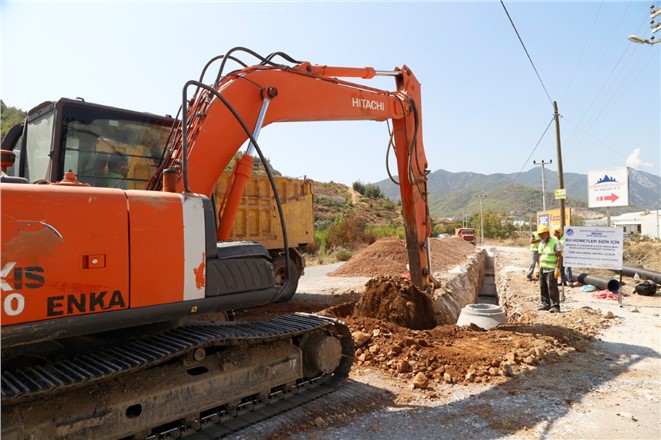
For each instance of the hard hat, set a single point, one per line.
(542, 228)
(558, 229)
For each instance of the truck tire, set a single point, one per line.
(280, 274)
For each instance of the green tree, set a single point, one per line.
(445, 229)
(359, 187)
(10, 116)
(577, 220)
(346, 231)
(496, 225)
(369, 190)
(373, 192)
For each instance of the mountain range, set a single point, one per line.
(457, 194)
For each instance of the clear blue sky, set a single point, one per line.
(484, 109)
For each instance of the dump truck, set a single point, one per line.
(257, 220)
(467, 234)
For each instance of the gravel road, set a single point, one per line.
(610, 390)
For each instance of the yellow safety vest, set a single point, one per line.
(547, 256)
(535, 245)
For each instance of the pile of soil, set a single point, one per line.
(388, 256)
(386, 318)
(387, 341)
(464, 354)
(397, 300)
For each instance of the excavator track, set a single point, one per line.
(200, 380)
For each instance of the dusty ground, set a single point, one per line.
(529, 373)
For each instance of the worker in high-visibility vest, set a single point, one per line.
(534, 256)
(550, 262)
(565, 272)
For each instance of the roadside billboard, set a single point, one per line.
(552, 217)
(595, 247)
(608, 187)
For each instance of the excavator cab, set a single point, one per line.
(73, 135)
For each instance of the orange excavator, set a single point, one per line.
(112, 298)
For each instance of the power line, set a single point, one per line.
(587, 133)
(526, 50)
(533, 150)
(585, 45)
(607, 92)
(617, 92)
(588, 114)
(626, 82)
(603, 54)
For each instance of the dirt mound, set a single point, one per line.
(388, 256)
(448, 353)
(396, 300)
(453, 354)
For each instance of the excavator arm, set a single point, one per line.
(257, 96)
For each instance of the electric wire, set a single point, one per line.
(526, 50)
(626, 82)
(589, 112)
(586, 133)
(591, 79)
(635, 70)
(601, 59)
(627, 54)
(617, 80)
(535, 148)
(585, 45)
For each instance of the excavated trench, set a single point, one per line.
(470, 283)
(395, 299)
(464, 285)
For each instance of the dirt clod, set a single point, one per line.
(396, 300)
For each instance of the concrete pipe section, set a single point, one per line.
(486, 316)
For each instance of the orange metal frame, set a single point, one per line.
(310, 92)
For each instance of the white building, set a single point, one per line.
(645, 223)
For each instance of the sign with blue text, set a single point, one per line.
(596, 247)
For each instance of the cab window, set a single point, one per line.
(40, 132)
(109, 152)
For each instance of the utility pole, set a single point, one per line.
(481, 196)
(655, 26)
(561, 176)
(542, 163)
